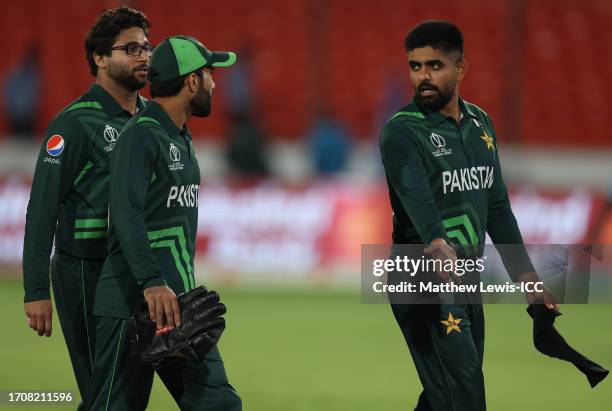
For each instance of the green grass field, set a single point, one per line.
(317, 349)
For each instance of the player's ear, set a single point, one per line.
(193, 82)
(462, 68)
(100, 61)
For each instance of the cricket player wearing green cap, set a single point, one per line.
(441, 161)
(153, 217)
(69, 198)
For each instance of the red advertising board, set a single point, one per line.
(273, 229)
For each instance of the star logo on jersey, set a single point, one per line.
(487, 139)
(451, 324)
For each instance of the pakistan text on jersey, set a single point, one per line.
(465, 179)
(183, 196)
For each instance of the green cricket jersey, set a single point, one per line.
(155, 178)
(445, 181)
(69, 198)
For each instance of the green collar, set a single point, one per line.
(156, 111)
(109, 105)
(467, 110)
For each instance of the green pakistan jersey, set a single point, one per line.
(155, 180)
(69, 197)
(445, 181)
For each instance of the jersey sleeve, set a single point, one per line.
(501, 223)
(133, 164)
(403, 163)
(62, 156)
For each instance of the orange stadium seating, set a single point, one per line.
(566, 72)
(342, 55)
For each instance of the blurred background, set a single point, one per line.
(293, 185)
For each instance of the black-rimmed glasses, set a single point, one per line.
(134, 48)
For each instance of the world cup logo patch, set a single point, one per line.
(175, 154)
(175, 158)
(440, 145)
(55, 145)
(437, 140)
(110, 134)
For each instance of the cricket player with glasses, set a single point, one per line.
(70, 189)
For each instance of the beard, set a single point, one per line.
(201, 104)
(436, 101)
(127, 77)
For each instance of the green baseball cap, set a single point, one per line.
(180, 55)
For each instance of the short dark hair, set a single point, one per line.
(108, 25)
(438, 34)
(170, 87)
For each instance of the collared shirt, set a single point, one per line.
(155, 181)
(69, 197)
(445, 181)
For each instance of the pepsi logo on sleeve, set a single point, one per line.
(55, 145)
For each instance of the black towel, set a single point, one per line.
(548, 341)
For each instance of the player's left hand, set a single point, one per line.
(539, 297)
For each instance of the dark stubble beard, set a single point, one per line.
(436, 102)
(201, 104)
(126, 77)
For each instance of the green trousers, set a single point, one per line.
(122, 382)
(74, 284)
(446, 342)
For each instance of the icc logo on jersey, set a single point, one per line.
(55, 145)
(110, 134)
(437, 140)
(440, 144)
(175, 157)
(175, 154)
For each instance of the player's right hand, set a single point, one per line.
(163, 306)
(39, 315)
(439, 249)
